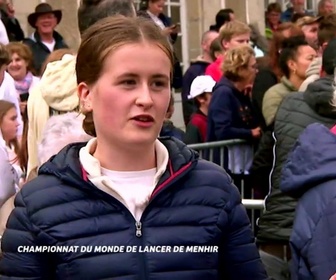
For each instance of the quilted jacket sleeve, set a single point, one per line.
(21, 232)
(314, 233)
(240, 256)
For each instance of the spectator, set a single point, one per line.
(60, 75)
(168, 127)
(8, 136)
(200, 91)
(7, 85)
(115, 176)
(45, 39)
(325, 8)
(296, 112)
(215, 49)
(296, 55)
(297, 7)
(230, 111)
(22, 71)
(12, 25)
(273, 15)
(309, 176)
(223, 16)
(271, 75)
(196, 68)
(326, 32)
(153, 10)
(59, 131)
(310, 26)
(231, 35)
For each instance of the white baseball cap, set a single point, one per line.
(200, 85)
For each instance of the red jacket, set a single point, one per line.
(214, 69)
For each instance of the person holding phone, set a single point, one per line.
(154, 10)
(22, 71)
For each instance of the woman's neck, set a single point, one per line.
(125, 159)
(21, 78)
(295, 81)
(241, 86)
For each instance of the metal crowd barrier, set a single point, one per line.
(208, 150)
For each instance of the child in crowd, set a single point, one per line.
(200, 92)
(168, 128)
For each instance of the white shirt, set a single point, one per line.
(8, 93)
(50, 46)
(156, 20)
(133, 189)
(3, 33)
(9, 178)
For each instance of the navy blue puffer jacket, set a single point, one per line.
(310, 174)
(194, 204)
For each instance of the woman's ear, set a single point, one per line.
(291, 65)
(85, 97)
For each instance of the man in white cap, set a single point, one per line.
(200, 91)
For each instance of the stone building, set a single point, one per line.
(194, 16)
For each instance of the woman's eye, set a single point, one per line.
(159, 84)
(128, 82)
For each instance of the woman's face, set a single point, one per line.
(156, 6)
(130, 99)
(9, 125)
(305, 55)
(249, 72)
(273, 17)
(17, 68)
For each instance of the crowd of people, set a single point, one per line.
(81, 162)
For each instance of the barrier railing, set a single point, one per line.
(219, 150)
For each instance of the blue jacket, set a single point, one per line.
(194, 203)
(230, 113)
(310, 175)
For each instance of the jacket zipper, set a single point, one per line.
(138, 224)
(138, 232)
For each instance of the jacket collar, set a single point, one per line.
(66, 165)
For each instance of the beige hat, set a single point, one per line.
(307, 20)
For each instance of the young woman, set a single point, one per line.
(9, 179)
(295, 57)
(125, 187)
(21, 70)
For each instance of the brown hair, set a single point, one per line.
(5, 106)
(235, 60)
(91, 11)
(327, 29)
(4, 55)
(215, 47)
(22, 51)
(232, 28)
(276, 43)
(274, 7)
(54, 56)
(102, 39)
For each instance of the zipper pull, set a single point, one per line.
(138, 232)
